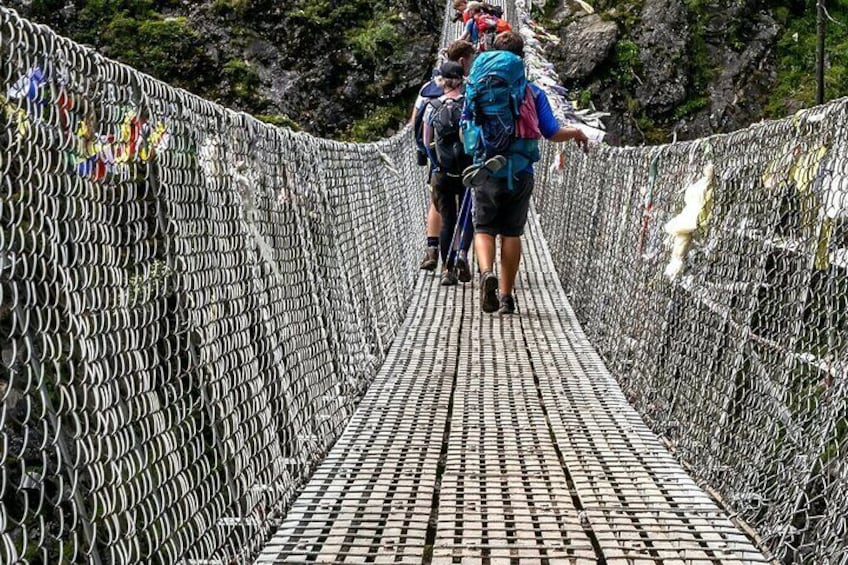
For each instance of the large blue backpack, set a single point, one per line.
(494, 91)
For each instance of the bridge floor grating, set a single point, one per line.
(501, 440)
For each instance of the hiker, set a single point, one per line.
(505, 150)
(461, 52)
(442, 140)
(461, 10)
(481, 26)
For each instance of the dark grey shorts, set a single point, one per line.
(444, 187)
(501, 211)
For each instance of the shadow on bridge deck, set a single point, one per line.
(501, 440)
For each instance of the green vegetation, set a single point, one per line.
(625, 13)
(375, 125)
(165, 48)
(222, 51)
(702, 70)
(653, 134)
(279, 120)
(796, 58)
(584, 98)
(242, 84)
(625, 62)
(690, 106)
(227, 7)
(316, 12)
(135, 32)
(377, 38)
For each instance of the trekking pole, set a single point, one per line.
(460, 229)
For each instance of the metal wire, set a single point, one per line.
(191, 304)
(738, 353)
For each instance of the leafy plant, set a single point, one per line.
(691, 106)
(377, 38)
(242, 83)
(169, 49)
(374, 126)
(796, 58)
(626, 61)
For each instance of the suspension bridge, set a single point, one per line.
(217, 348)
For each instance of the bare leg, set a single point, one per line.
(484, 248)
(510, 258)
(434, 221)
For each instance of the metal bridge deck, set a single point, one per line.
(497, 441)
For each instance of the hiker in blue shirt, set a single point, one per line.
(461, 52)
(501, 203)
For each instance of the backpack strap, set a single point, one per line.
(429, 91)
(435, 104)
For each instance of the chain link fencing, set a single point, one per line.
(191, 304)
(711, 276)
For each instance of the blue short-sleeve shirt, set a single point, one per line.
(471, 30)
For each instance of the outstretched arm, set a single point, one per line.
(569, 132)
(551, 129)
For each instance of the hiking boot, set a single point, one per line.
(463, 273)
(448, 278)
(430, 260)
(507, 304)
(489, 292)
(477, 175)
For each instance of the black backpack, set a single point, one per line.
(496, 11)
(444, 117)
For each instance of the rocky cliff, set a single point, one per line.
(682, 69)
(665, 69)
(335, 68)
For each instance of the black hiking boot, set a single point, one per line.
(463, 273)
(507, 304)
(489, 292)
(430, 260)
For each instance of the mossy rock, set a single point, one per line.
(279, 120)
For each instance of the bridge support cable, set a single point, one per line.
(192, 304)
(188, 314)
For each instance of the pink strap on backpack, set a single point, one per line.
(527, 126)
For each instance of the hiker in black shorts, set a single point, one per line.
(446, 152)
(500, 209)
(461, 52)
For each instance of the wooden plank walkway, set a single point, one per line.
(501, 440)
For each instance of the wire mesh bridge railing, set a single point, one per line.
(739, 359)
(191, 303)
